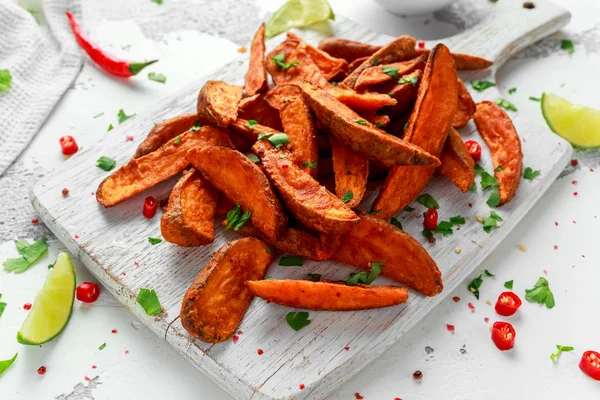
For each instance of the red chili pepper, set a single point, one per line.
(149, 207)
(474, 149)
(590, 364)
(106, 61)
(421, 44)
(68, 145)
(431, 219)
(503, 335)
(508, 303)
(88, 292)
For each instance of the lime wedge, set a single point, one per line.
(298, 14)
(578, 124)
(52, 306)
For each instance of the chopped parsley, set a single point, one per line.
(374, 61)
(567, 45)
(530, 174)
(279, 59)
(363, 277)
(282, 155)
(310, 164)
(263, 135)
(196, 127)
(507, 105)
(251, 123)
(156, 77)
(297, 320)
(269, 251)
(102, 346)
(458, 220)
(541, 293)
(444, 227)
(4, 365)
(480, 86)
(237, 219)
(314, 277)
(177, 140)
(124, 117)
(499, 168)
(154, 241)
(491, 222)
(5, 79)
(279, 139)
(157, 1)
(396, 223)
(509, 284)
(253, 157)
(291, 261)
(560, 348)
(149, 301)
(428, 201)
(2, 305)
(376, 212)
(512, 90)
(475, 284)
(534, 98)
(106, 163)
(348, 196)
(408, 208)
(391, 71)
(408, 79)
(488, 273)
(360, 121)
(487, 182)
(110, 128)
(30, 253)
(473, 187)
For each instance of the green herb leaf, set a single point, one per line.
(391, 71)
(102, 346)
(374, 61)
(310, 164)
(499, 168)
(196, 127)
(408, 79)
(236, 219)
(314, 277)
(110, 128)
(428, 201)
(488, 273)
(491, 222)
(155, 76)
(444, 227)
(534, 98)
(263, 135)
(473, 187)
(494, 199)
(124, 117)
(376, 212)
(5, 79)
(269, 251)
(363, 277)
(254, 158)
(475, 284)
(567, 45)
(154, 241)
(279, 139)
(291, 261)
(348, 196)
(530, 174)
(408, 208)
(509, 284)
(251, 123)
(360, 121)
(4, 365)
(297, 320)
(541, 293)
(157, 1)
(279, 61)
(479, 169)
(507, 105)
(512, 90)
(30, 253)
(2, 307)
(149, 301)
(480, 86)
(396, 223)
(405, 126)
(560, 348)
(177, 140)
(243, 219)
(427, 233)
(457, 220)
(106, 163)
(488, 180)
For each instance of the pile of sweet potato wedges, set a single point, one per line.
(287, 165)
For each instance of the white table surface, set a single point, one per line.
(460, 365)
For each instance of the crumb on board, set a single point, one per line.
(522, 247)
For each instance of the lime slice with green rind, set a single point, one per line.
(53, 305)
(579, 125)
(298, 14)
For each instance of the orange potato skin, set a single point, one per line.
(374, 75)
(338, 120)
(242, 181)
(406, 261)
(256, 77)
(464, 62)
(349, 50)
(164, 131)
(278, 95)
(380, 121)
(311, 204)
(457, 163)
(256, 108)
(399, 49)
(330, 66)
(427, 128)
(216, 302)
(299, 125)
(356, 63)
(465, 107)
(224, 205)
(366, 101)
(142, 173)
(218, 102)
(189, 221)
(326, 295)
(496, 128)
(305, 71)
(351, 171)
(405, 94)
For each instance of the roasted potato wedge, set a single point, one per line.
(500, 135)
(278, 95)
(224, 205)
(190, 219)
(215, 304)
(464, 62)
(427, 128)
(330, 67)
(349, 50)
(326, 295)
(305, 69)
(218, 102)
(256, 77)
(311, 204)
(299, 125)
(242, 181)
(243, 128)
(380, 121)
(164, 131)
(349, 128)
(406, 261)
(142, 173)
(457, 163)
(356, 63)
(351, 171)
(405, 94)
(256, 108)
(465, 108)
(366, 101)
(379, 74)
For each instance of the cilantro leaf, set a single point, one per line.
(4, 365)
(123, 117)
(391, 71)
(427, 234)
(237, 219)
(102, 346)
(16, 264)
(2, 306)
(157, 1)
(491, 222)
(291, 261)
(499, 168)
(196, 127)
(488, 273)
(243, 219)
(494, 199)
(314, 277)
(530, 174)
(512, 90)
(374, 61)
(408, 208)
(310, 164)
(480, 86)
(376, 212)
(177, 140)
(475, 284)
(444, 227)
(30, 253)
(154, 241)
(509, 284)
(408, 79)
(278, 139)
(458, 220)
(488, 180)
(360, 121)
(348, 196)
(149, 301)
(534, 98)
(106, 163)
(297, 320)
(541, 293)
(5, 79)
(251, 123)
(560, 348)
(567, 45)
(156, 77)
(396, 223)
(362, 277)
(479, 169)
(473, 187)
(428, 201)
(110, 128)
(507, 105)
(279, 61)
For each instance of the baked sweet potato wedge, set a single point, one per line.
(457, 163)
(256, 108)
(297, 67)
(404, 93)
(464, 62)
(380, 121)
(256, 77)
(366, 101)
(406, 261)
(351, 171)
(218, 102)
(399, 49)
(349, 128)
(189, 221)
(379, 74)
(299, 125)
(356, 63)
(244, 183)
(224, 205)
(311, 204)
(142, 173)
(164, 131)
(349, 50)
(465, 107)
(501, 137)
(330, 67)
(216, 302)
(326, 295)
(427, 128)
(278, 95)
(249, 131)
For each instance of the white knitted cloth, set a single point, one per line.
(43, 61)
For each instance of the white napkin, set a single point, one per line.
(43, 62)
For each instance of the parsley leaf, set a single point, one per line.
(541, 293)
(512, 90)
(499, 168)
(428, 201)
(444, 227)
(5, 79)
(254, 158)
(427, 233)
(479, 169)
(491, 222)
(251, 123)
(509, 284)
(279, 59)
(291, 261)
(494, 198)
(391, 71)
(473, 187)
(475, 284)
(156, 77)
(177, 140)
(567, 45)
(154, 241)
(102, 346)
(110, 128)
(237, 219)
(458, 220)
(408, 208)
(530, 174)
(314, 277)
(480, 86)
(396, 223)
(488, 273)
(2, 306)
(374, 61)
(360, 121)
(149, 301)
(310, 164)
(348, 196)
(124, 117)
(297, 320)
(408, 79)
(279, 139)
(362, 277)
(106, 163)
(4, 365)
(507, 105)
(534, 98)
(488, 181)
(263, 135)
(560, 348)
(157, 1)
(30, 253)
(196, 127)
(243, 219)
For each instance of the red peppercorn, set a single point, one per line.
(88, 292)
(27, 306)
(431, 219)
(68, 145)
(65, 192)
(474, 149)
(41, 370)
(417, 375)
(149, 207)
(347, 348)
(235, 339)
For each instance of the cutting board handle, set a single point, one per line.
(510, 28)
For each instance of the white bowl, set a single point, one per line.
(413, 7)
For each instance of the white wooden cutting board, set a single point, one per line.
(113, 245)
